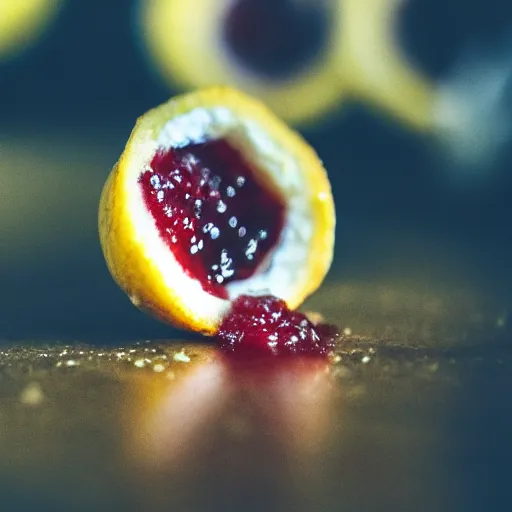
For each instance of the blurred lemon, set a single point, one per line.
(304, 57)
(22, 22)
(282, 51)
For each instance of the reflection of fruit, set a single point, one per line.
(22, 22)
(282, 51)
(212, 198)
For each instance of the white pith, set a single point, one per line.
(284, 276)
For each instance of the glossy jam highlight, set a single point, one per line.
(213, 211)
(276, 38)
(265, 326)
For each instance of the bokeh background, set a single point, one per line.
(406, 212)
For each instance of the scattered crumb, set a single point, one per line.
(32, 394)
(342, 372)
(347, 331)
(356, 392)
(181, 357)
(314, 317)
(434, 367)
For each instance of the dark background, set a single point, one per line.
(68, 104)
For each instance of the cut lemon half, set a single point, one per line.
(213, 198)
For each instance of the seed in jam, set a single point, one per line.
(265, 326)
(213, 211)
(276, 38)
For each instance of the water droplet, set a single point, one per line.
(32, 394)
(221, 207)
(230, 191)
(214, 233)
(233, 222)
(155, 181)
(198, 205)
(242, 232)
(240, 181)
(215, 183)
(251, 248)
(227, 272)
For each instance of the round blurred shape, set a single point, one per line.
(23, 22)
(283, 51)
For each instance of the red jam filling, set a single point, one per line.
(213, 211)
(276, 38)
(264, 326)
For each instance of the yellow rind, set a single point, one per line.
(134, 270)
(373, 69)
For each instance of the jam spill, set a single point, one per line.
(265, 326)
(211, 210)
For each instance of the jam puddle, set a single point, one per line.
(264, 326)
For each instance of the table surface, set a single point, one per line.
(412, 413)
(173, 426)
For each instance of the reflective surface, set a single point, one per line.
(172, 426)
(412, 413)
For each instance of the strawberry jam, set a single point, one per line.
(264, 326)
(276, 38)
(213, 211)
